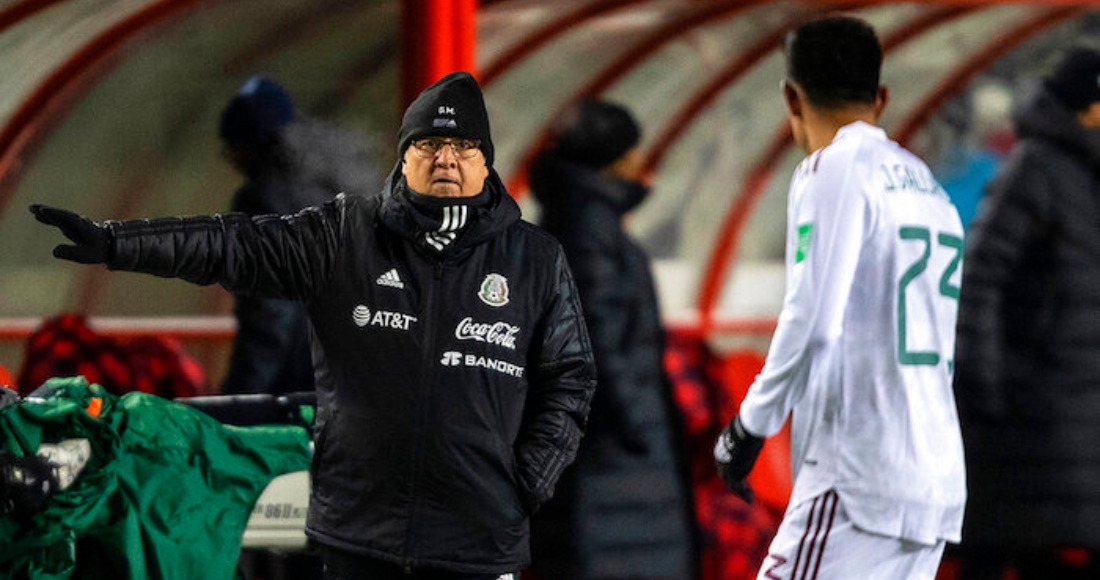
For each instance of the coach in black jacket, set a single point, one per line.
(453, 367)
(1027, 374)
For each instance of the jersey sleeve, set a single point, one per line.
(827, 220)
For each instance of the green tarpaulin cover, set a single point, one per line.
(165, 492)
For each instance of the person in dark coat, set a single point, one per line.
(289, 161)
(454, 371)
(1027, 373)
(624, 509)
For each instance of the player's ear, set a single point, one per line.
(791, 97)
(882, 97)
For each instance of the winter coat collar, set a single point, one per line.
(1038, 114)
(489, 217)
(564, 184)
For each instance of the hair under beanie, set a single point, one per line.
(1076, 79)
(596, 133)
(451, 107)
(256, 113)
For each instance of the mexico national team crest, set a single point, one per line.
(494, 290)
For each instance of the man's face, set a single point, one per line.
(445, 167)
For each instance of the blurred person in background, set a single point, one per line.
(1028, 362)
(861, 359)
(289, 161)
(624, 509)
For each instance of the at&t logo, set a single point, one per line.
(362, 317)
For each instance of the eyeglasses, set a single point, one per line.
(430, 146)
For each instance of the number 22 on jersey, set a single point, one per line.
(929, 245)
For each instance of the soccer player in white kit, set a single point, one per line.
(862, 356)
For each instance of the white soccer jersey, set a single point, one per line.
(862, 357)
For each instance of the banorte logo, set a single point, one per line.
(458, 359)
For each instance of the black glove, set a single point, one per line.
(735, 452)
(26, 483)
(92, 242)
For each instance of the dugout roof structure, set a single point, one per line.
(110, 108)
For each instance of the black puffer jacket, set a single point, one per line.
(624, 508)
(308, 163)
(452, 389)
(1028, 351)
(271, 350)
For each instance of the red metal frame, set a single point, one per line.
(438, 37)
(679, 122)
(20, 11)
(351, 82)
(199, 328)
(293, 28)
(674, 129)
(57, 91)
(957, 80)
(517, 183)
(509, 58)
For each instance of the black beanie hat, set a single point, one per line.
(1076, 80)
(596, 133)
(256, 113)
(452, 107)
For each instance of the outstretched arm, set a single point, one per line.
(275, 256)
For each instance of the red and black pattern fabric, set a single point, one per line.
(66, 346)
(707, 389)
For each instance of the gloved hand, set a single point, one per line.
(92, 243)
(735, 453)
(26, 484)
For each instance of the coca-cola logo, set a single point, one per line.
(498, 333)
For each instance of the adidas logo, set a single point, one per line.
(391, 279)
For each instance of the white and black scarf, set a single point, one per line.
(444, 218)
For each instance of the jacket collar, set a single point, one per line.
(486, 221)
(564, 184)
(1039, 114)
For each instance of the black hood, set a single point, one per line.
(560, 184)
(1039, 114)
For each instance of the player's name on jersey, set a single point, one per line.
(901, 177)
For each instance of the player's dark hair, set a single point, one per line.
(836, 60)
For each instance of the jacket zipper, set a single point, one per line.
(424, 410)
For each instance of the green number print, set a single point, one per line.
(924, 236)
